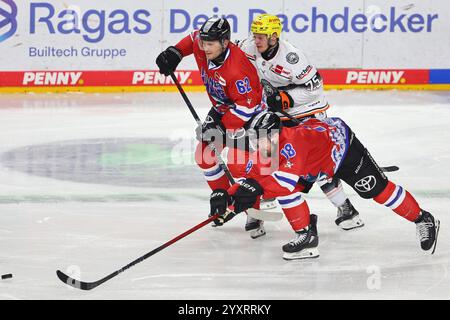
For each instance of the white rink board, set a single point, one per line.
(333, 34)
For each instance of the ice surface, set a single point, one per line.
(90, 182)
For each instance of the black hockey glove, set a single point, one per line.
(212, 128)
(306, 185)
(219, 201)
(246, 195)
(280, 101)
(168, 60)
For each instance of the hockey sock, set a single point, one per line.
(296, 210)
(214, 174)
(400, 201)
(335, 193)
(216, 178)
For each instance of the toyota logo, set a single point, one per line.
(8, 19)
(366, 184)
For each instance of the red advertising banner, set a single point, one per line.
(152, 79)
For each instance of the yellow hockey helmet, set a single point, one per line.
(266, 24)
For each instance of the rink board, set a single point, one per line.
(152, 80)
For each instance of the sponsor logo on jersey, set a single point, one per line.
(280, 71)
(304, 72)
(366, 184)
(375, 77)
(52, 78)
(292, 58)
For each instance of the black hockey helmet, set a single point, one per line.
(215, 29)
(263, 125)
(267, 121)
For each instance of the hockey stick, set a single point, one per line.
(199, 122)
(91, 285)
(265, 215)
(270, 90)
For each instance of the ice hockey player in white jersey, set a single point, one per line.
(299, 93)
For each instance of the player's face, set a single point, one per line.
(261, 42)
(268, 145)
(213, 49)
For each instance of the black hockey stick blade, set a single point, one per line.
(78, 284)
(390, 169)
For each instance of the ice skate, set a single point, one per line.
(255, 227)
(348, 217)
(427, 230)
(305, 244)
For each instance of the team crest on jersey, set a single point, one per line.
(214, 88)
(292, 58)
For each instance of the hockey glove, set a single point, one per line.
(245, 195)
(219, 201)
(168, 60)
(212, 128)
(280, 101)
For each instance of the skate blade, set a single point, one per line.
(268, 205)
(304, 254)
(351, 224)
(438, 224)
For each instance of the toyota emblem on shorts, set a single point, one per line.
(8, 19)
(366, 184)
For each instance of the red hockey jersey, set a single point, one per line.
(312, 150)
(233, 87)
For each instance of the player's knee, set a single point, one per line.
(386, 193)
(204, 157)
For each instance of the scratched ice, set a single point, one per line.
(90, 182)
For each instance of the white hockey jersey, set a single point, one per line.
(289, 70)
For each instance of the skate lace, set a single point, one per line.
(423, 230)
(345, 209)
(301, 237)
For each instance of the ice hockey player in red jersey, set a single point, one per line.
(233, 86)
(231, 82)
(315, 150)
(299, 93)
